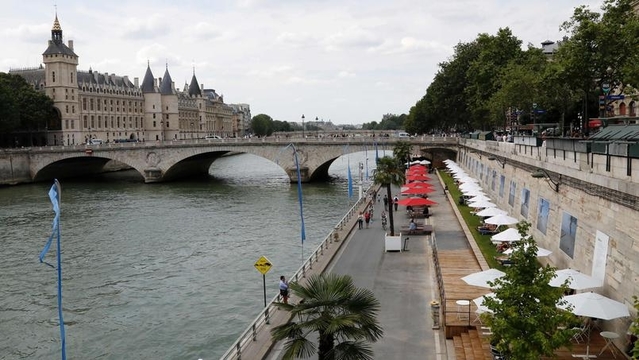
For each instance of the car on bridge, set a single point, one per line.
(212, 137)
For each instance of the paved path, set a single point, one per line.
(403, 282)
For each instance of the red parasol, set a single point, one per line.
(418, 184)
(417, 177)
(416, 201)
(418, 190)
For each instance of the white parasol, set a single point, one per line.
(576, 280)
(541, 252)
(482, 204)
(482, 278)
(491, 212)
(594, 306)
(510, 234)
(481, 308)
(501, 220)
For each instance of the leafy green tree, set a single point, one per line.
(402, 152)
(484, 73)
(262, 125)
(283, 126)
(525, 321)
(602, 48)
(390, 171)
(24, 111)
(343, 317)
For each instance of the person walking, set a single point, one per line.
(385, 202)
(395, 202)
(284, 289)
(367, 218)
(360, 220)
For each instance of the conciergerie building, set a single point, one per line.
(93, 105)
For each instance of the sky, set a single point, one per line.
(347, 61)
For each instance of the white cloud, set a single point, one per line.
(364, 58)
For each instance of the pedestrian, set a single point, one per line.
(379, 198)
(385, 202)
(395, 202)
(367, 218)
(284, 289)
(445, 189)
(360, 220)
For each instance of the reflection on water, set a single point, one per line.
(155, 271)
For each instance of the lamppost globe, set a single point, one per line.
(303, 128)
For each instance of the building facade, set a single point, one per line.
(111, 108)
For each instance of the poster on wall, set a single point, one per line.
(542, 215)
(525, 202)
(502, 181)
(568, 234)
(511, 194)
(599, 256)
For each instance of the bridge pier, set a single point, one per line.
(292, 174)
(152, 175)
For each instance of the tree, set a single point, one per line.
(525, 321)
(343, 316)
(634, 330)
(262, 125)
(390, 171)
(401, 152)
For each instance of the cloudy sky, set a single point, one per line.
(348, 61)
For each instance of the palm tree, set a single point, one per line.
(342, 315)
(401, 151)
(390, 171)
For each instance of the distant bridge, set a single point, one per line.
(169, 160)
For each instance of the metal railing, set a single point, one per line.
(263, 318)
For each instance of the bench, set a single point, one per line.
(420, 230)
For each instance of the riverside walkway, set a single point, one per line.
(404, 282)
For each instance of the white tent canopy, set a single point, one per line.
(510, 234)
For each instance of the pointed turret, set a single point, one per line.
(147, 82)
(194, 88)
(56, 46)
(166, 88)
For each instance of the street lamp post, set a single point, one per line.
(361, 179)
(303, 128)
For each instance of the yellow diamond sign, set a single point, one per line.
(263, 265)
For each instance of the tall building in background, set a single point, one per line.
(93, 105)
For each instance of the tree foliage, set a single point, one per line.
(342, 316)
(388, 122)
(525, 321)
(24, 111)
(262, 125)
(390, 171)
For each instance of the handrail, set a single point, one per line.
(250, 333)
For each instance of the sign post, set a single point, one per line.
(263, 265)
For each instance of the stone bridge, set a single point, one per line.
(169, 160)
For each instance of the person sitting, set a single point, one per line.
(412, 226)
(426, 211)
(503, 246)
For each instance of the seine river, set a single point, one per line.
(159, 271)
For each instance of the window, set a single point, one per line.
(92, 121)
(67, 109)
(91, 104)
(154, 125)
(53, 76)
(85, 122)
(73, 109)
(71, 77)
(84, 104)
(66, 124)
(154, 115)
(167, 124)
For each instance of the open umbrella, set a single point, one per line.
(481, 204)
(418, 190)
(509, 234)
(481, 308)
(501, 220)
(483, 277)
(594, 306)
(491, 212)
(541, 252)
(576, 280)
(416, 201)
(418, 184)
(417, 177)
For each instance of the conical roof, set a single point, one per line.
(166, 88)
(147, 83)
(194, 88)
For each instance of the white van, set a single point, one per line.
(403, 135)
(96, 142)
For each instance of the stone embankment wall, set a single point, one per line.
(14, 167)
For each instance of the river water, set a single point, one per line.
(157, 271)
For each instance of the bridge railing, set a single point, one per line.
(270, 139)
(249, 335)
